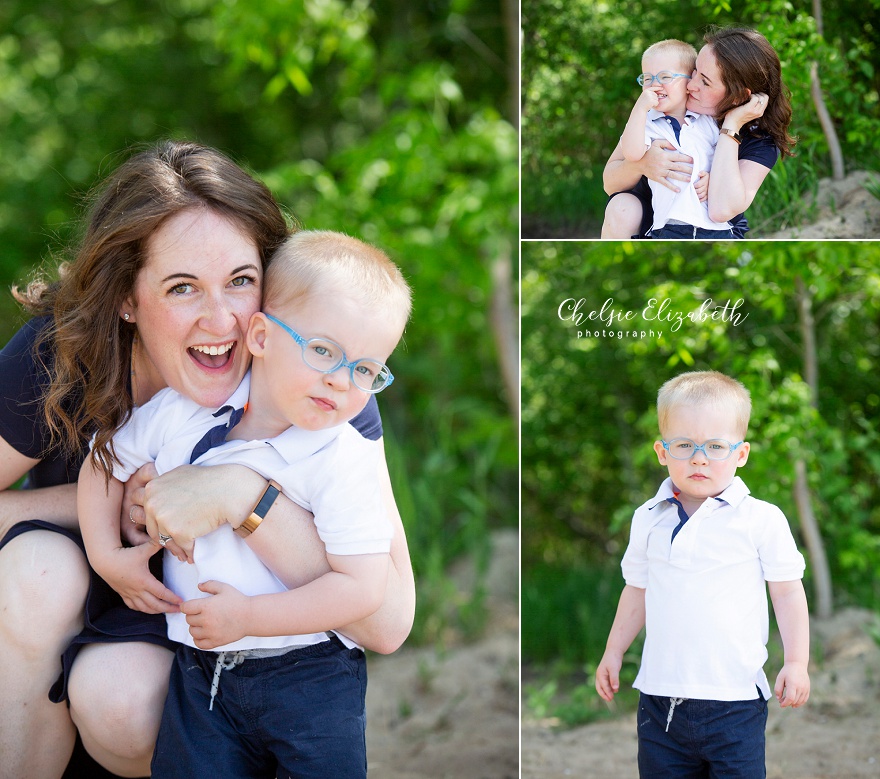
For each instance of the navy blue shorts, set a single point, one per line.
(705, 739)
(689, 232)
(302, 715)
(107, 618)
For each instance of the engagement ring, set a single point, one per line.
(163, 539)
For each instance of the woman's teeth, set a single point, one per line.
(214, 350)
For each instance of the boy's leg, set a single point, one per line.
(732, 735)
(667, 754)
(197, 743)
(315, 718)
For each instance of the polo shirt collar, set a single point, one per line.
(293, 444)
(296, 444)
(733, 495)
(654, 114)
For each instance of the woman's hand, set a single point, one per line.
(661, 163)
(746, 113)
(127, 571)
(132, 520)
(191, 501)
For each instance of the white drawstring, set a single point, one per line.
(236, 659)
(673, 702)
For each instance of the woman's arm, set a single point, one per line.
(191, 501)
(53, 504)
(734, 182)
(661, 163)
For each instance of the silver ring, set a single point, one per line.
(131, 514)
(163, 539)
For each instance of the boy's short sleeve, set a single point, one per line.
(635, 560)
(781, 561)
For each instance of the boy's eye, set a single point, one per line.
(364, 370)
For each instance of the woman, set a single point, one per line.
(738, 77)
(109, 335)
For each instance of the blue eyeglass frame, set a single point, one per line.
(702, 448)
(656, 77)
(343, 363)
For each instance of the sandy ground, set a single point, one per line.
(835, 736)
(453, 712)
(846, 210)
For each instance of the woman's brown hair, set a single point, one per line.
(91, 346)
(748, 63)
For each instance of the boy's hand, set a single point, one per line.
(220, 619)
(792, 685)
(608, 674)
(648, 98)
(701, 185)
(127, 571)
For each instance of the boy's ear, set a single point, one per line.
(661, 452)
(256, 334)
(742, 454)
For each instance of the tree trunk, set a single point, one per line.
(504, 321)
(802, 497)
(819, 102)
(510, 15)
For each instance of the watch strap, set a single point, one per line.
(258, 514)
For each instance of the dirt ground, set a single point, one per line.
(835, 736)
(846, 210)
(453, 713)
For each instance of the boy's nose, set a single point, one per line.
(339, 379)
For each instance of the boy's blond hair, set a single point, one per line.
(705, 388)
(687, 53)
(315, 261)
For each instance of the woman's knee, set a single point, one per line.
(623, 216)
(44, 579)
(117, 692)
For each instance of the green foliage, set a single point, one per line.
(382, 119)
(588, 418)
(579, 64)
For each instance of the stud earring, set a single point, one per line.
(126, 317)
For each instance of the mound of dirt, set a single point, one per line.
(846, 210)
(453, 712)
(835, 736)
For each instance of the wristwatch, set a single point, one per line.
(260, 510)
(732, 133)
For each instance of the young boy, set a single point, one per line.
(659, 113)
(294, 702)
(699, 553)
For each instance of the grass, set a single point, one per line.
(787, 197)
(566, 615)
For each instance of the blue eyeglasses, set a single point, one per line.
(663, 78)
(326, 356)
(684, 448)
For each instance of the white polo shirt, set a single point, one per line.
(333, 473)
(705, 596)
(697, 138)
